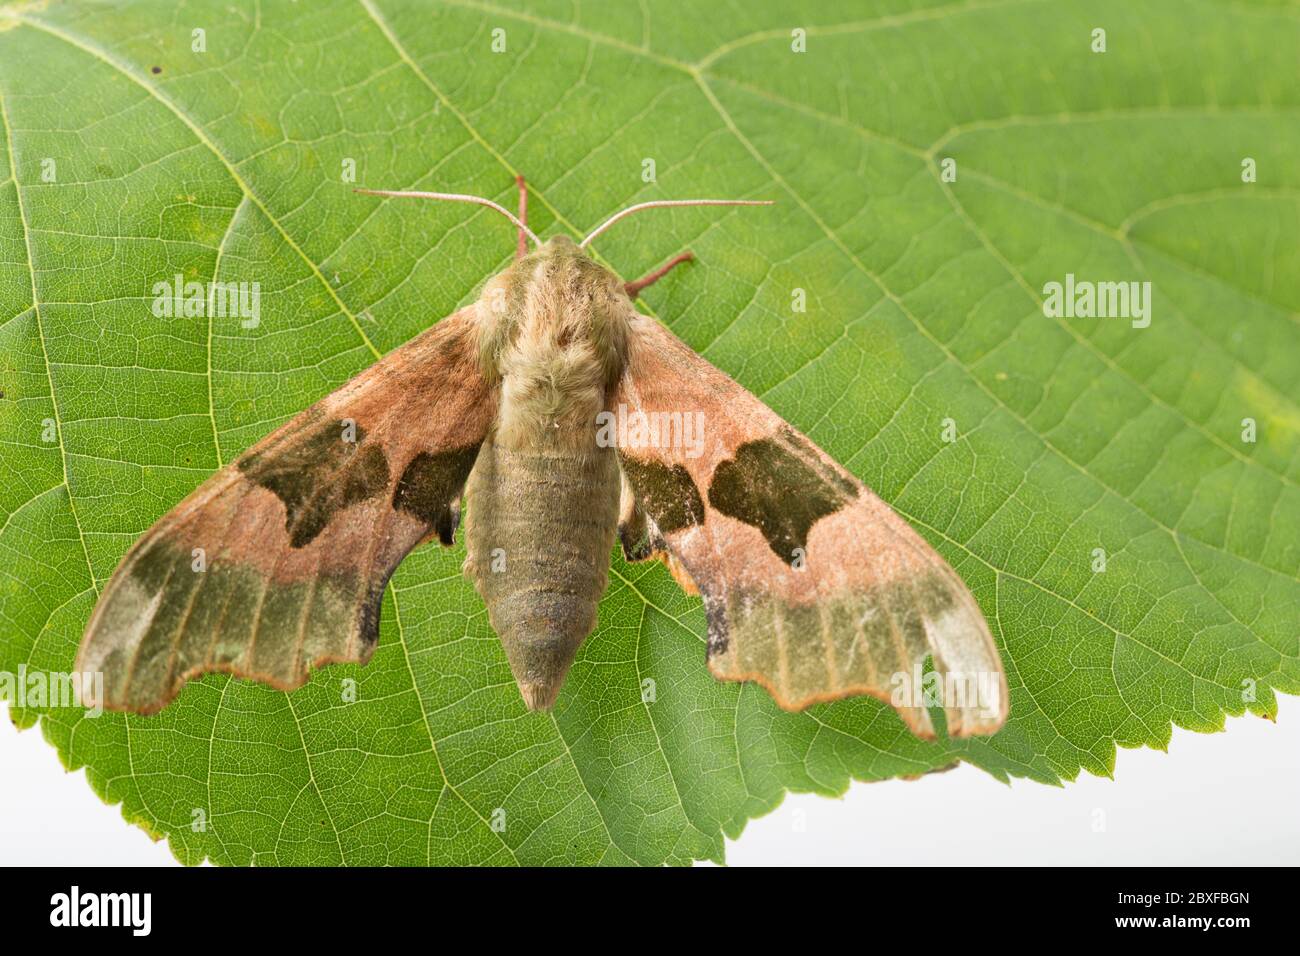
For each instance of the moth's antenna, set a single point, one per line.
(454, 197)
(655, 204)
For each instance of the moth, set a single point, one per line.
(565, 419)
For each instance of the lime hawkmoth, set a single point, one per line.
(565, 419)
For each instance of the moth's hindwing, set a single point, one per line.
(278, 563)
(813, 587)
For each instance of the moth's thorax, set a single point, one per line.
(553, 331)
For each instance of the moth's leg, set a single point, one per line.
(522, 249)
(634, 288)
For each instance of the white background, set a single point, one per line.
(1229, 798)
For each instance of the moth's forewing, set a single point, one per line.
(278, 563)
(812, 586)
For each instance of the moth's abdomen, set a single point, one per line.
(540, 524)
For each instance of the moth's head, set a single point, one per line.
(559, 262)
(560, 247)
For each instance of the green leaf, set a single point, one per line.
(924, 304)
